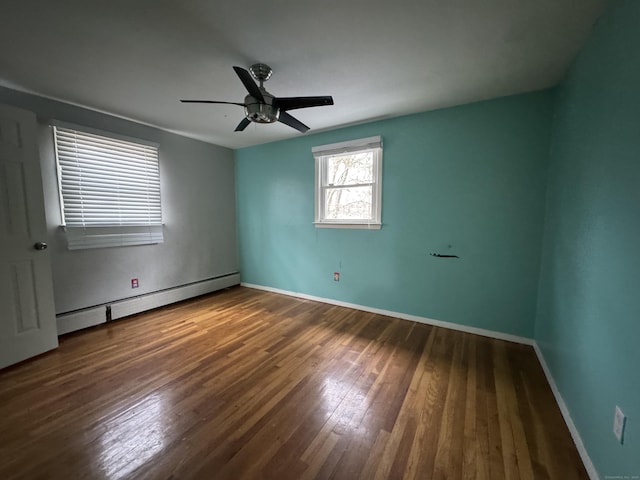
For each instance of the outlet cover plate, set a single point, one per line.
(619, 422)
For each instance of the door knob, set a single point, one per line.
(40, 246)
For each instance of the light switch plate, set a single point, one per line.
(619, 422)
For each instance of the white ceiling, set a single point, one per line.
(378, 58)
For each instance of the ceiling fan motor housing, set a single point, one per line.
(261, 112)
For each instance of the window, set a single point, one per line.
(349, 184)
(109, 189)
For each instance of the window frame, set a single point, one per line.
(123, 232)
(322, 154)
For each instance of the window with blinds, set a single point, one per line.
(109, 189)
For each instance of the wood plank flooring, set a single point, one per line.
(243, 384)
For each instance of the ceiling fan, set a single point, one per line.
(262, 107)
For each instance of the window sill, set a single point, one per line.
(362, 226)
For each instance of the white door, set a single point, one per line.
(27, 314)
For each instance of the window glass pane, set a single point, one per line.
(351, 203)
(350, 169)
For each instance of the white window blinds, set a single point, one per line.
(109, 188)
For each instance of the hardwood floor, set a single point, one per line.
(244, 384)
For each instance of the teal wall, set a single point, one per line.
(588, 321)
(469, 181)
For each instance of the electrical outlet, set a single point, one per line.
(619, 422)
(135, 283)
(336, 276)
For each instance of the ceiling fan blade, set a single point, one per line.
(291, 103)
(242, 125)
(213, 101)
(292, 122)
(249, 84)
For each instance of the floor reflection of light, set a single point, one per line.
(333, 393)
(343, 401)
(132, 438)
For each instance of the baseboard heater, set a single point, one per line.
(89, 317)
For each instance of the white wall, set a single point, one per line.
(198, 202)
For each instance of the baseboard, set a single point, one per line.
(586, 460)
(150, 301)
(404, 316)
(89, 317)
